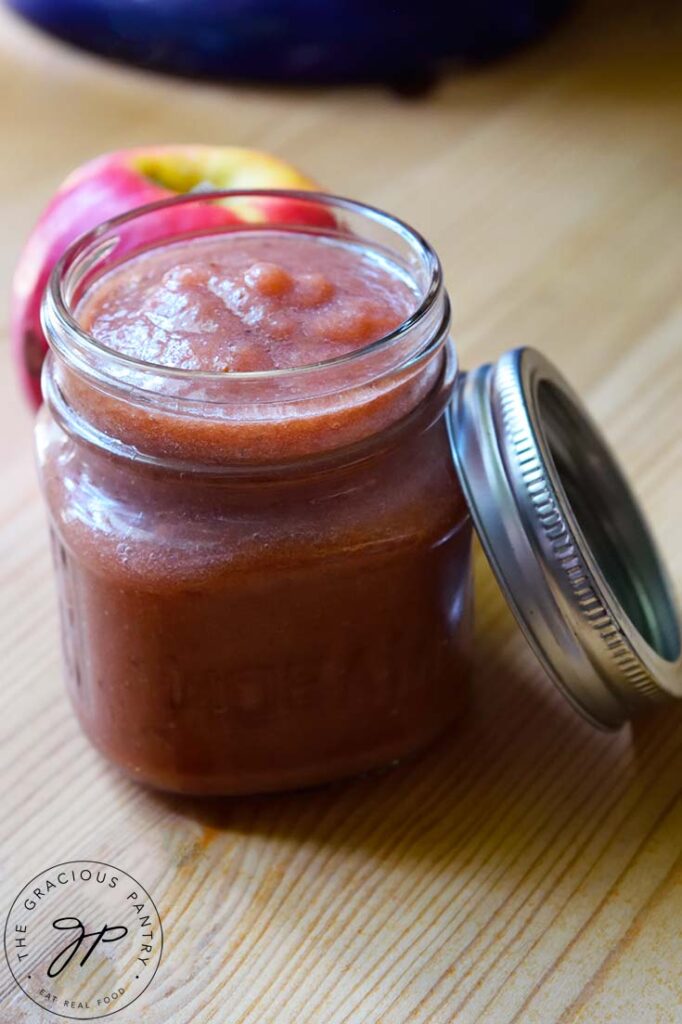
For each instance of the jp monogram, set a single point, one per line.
(83, 940)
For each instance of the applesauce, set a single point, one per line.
(261, 544)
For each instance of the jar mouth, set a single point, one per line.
(109, 244)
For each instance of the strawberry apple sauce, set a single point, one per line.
(261, 545)
(262, 301)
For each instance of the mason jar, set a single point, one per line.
(264, 577)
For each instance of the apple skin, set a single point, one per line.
(116, 182)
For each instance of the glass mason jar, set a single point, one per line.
(264, 577)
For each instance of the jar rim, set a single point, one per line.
(65, 332)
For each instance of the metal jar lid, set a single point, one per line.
(566, 538)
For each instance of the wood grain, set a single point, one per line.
(528, 870)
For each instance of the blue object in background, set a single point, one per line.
(395, 41)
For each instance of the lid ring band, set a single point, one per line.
(566, 538)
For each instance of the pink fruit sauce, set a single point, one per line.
(257, 303)
(264, 579)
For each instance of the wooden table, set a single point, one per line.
(529, 869)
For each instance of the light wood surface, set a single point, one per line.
(529, 869)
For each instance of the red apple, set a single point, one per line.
(120, 181)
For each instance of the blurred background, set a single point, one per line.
(298, 40)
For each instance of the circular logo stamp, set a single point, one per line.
(83, 939)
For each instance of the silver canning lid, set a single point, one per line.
(566, 539)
